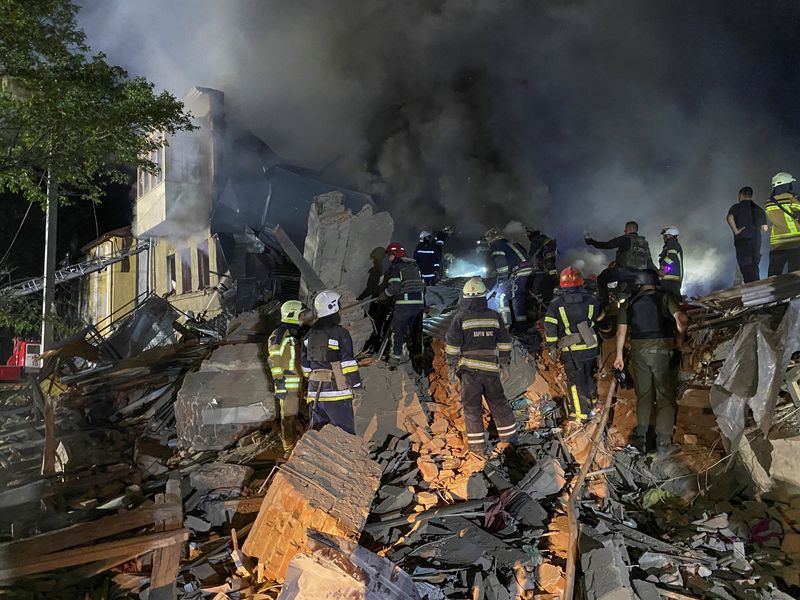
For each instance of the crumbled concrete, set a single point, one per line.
(328, 485)
(545, 479)
(228, 397)
(214, 476)
(606, 571)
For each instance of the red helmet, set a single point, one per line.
(571, 277)
(396, 250)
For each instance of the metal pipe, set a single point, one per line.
(577, 489)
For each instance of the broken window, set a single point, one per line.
(186, 271)
(203, 266)
(147, 181)
(172, 274)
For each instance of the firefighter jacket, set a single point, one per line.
(477, 339)
(543, 253)
(404, 283)
(328, 361)
(570, 322)
(284, 359)
(506, 256)
(429, 260)
(649, 315)
(670, 261)
(783, 212)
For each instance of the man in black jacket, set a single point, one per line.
(747, 221)
(406, 289)
(633, 251)
(478, 351)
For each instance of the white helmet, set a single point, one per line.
(670, 230)
(424, 235)
(474, 288)
(782, 178)
(327, 303)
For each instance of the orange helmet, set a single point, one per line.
(571, 277)
(396, 250)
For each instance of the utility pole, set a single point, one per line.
(50, 233)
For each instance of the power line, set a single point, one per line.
(16, 235)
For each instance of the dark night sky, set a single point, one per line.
(567, 115)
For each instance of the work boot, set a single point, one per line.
(396, 361)
(665, 450)
(501, 449)
(639, 444)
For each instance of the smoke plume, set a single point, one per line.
(567, 116)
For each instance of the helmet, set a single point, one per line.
(424, 235)
(327, 303)
(671, 230)
(474, 288)
(492, 234)
(396, 250)
(782, 178)
(290, 312)
(571, 277)
(646, 277)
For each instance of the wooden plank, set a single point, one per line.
(167, 560)
(24, 564)
(84, 533)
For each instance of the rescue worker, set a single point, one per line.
(569, 327)
(506, 257)
(478, 351)
(405, 287)
(657, 327)
(329, 364)
(428, 257)
(439, 240)
(670, 261)
(542, 253)
(613, 290)
(287, 373)
(633, 251)
(747, 221)
(377, 311)
(783, 212)
(544, 280)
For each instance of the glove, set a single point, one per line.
(453, 376)
(553, 354)
(358, 394)
(505, 372)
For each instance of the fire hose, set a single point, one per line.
(577, 490)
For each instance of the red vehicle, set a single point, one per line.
(25, 358)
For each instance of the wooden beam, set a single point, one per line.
(85, 533)
(167, 560)
(25, 564)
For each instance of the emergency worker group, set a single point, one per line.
(523, 298)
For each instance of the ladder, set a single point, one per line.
(36, 284)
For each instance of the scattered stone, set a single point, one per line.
(213, 476)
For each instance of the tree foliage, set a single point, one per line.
(64, 108)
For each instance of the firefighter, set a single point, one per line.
(657, 327)
(404, 286)
(506, 257)
(287, 373)
(440, 239)
(428, 257)
(633, 251)
(378, 311)
(670, 261)
(542, 253)
(544, 280)
(783, 212)
(569, 327)
(330, 366)
(478, 351)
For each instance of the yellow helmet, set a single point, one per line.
(492, 234)
(290, 312)
(474, 288)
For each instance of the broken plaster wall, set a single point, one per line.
(339, 242)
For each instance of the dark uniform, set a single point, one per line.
(670, 263)
(477, 344)
(783, 212)
(544, 280)
(749, 217)
(652, 329)
(284, 363)
(570, 322)
(507, 257)
(633, 251)
(429, 260)
(405, 286)
(332, 370)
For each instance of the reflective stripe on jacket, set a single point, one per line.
(566, 311)
(336, 346)
(478, 340)
(783, 212)
(670, 261)
(284, 359)
(404, 283)
(506, 256)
